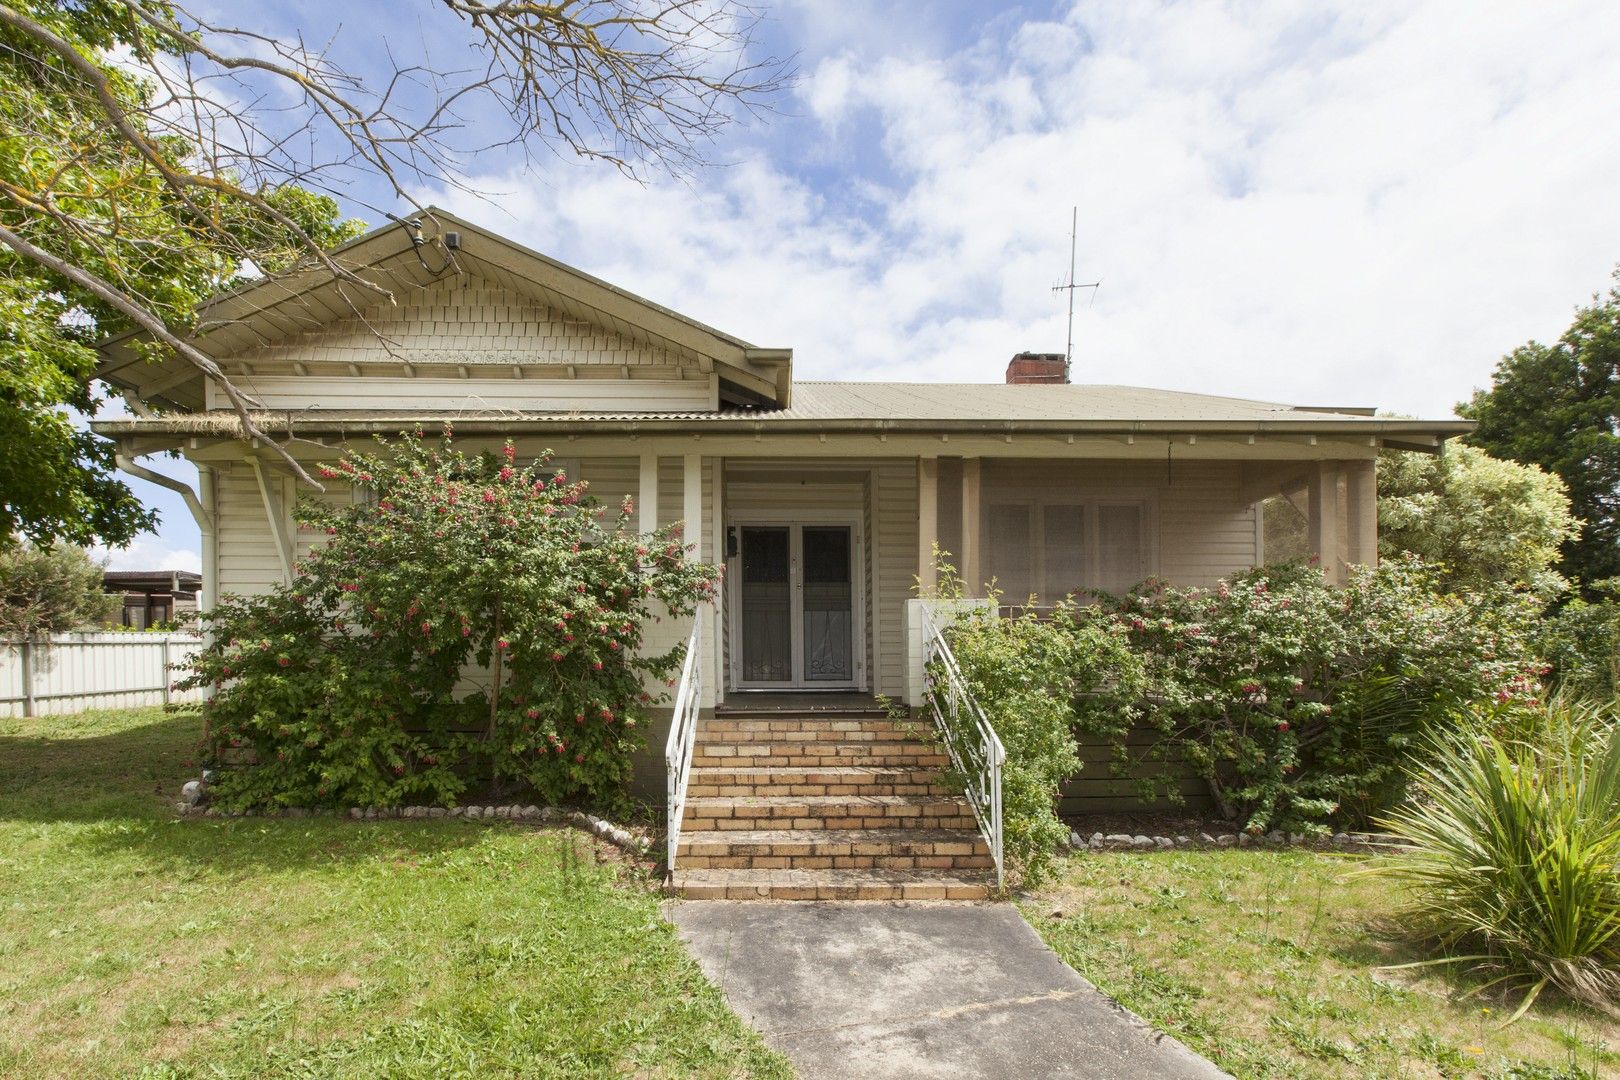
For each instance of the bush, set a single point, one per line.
(1298, 703)
(49, 590)
(1515, 838)
(1025, 674)
(1581, 642)
(350, 686)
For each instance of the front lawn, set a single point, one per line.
(1268, 963)
(133, 943)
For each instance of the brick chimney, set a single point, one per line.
(1032, 367)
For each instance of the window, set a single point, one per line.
(1054, 547)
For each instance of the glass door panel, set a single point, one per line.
(767, 604)
(828, 589)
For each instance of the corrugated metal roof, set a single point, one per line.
(1023, 403)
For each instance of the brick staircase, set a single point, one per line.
(824, 806)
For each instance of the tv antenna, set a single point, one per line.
(1069, 287)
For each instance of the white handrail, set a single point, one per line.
(979, 760)
(683, 736)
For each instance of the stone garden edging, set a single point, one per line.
(606, 830)
(1274, 839)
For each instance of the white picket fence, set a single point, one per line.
(68, 673)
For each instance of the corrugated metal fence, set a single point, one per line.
(67, 673)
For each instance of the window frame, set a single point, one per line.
(1036, 501)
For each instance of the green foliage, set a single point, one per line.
(1479, 520)
(1558, 407)
(1515, 837)
(57, 480)
(1026, 673)
(50, 590)
(1299, 703)
(1581, 642)
(348, 687)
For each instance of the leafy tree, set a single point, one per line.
(150, 152)
(1558, 406)
(1479, 520)
(357, 684)
(47, 590)
(62, 162)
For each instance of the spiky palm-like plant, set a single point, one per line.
(1514, 852)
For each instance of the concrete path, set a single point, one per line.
(879, 990)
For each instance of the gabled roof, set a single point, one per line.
(269, 310)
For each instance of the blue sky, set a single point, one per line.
(1361, 203)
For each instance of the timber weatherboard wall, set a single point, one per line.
(467, 336)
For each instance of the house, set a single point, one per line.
(151, 597)
(824, 499)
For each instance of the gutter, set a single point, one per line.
(749, 424)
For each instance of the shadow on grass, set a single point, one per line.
(95, 766)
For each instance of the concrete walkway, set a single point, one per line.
(878, 990)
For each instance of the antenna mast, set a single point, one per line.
(1069, 287)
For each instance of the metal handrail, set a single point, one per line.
(979, 760)
(683, 736)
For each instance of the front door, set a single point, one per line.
(795, 614)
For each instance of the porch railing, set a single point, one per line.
(975, 749)
(683, 735)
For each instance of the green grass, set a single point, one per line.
(136, 944)
(1270, 963)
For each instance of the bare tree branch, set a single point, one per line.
(230, 118)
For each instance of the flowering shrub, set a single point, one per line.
(1299, 703)
(352, 685)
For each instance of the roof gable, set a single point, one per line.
(266, 315)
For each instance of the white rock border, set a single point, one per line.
(619, 837)
(1274, 839)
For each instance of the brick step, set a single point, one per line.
(818, 755)
(730, 813)
(821, 780)
(843, 849)
(808, 731)
(830, 885)
(767, 728)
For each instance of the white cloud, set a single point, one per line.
(1366, 204)
(152, 553)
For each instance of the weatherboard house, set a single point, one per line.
(823, 499)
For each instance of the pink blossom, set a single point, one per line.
(556, 656)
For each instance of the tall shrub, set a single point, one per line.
(47, 590)
(1298, 702)
(1026, 673)
(1514, 857)
(360, 683)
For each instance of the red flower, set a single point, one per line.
(1283, 726)
(596, 665)
(282, 661)
(556, 656)
(533, 714)
(502, 644)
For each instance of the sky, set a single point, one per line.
(1361, 203)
